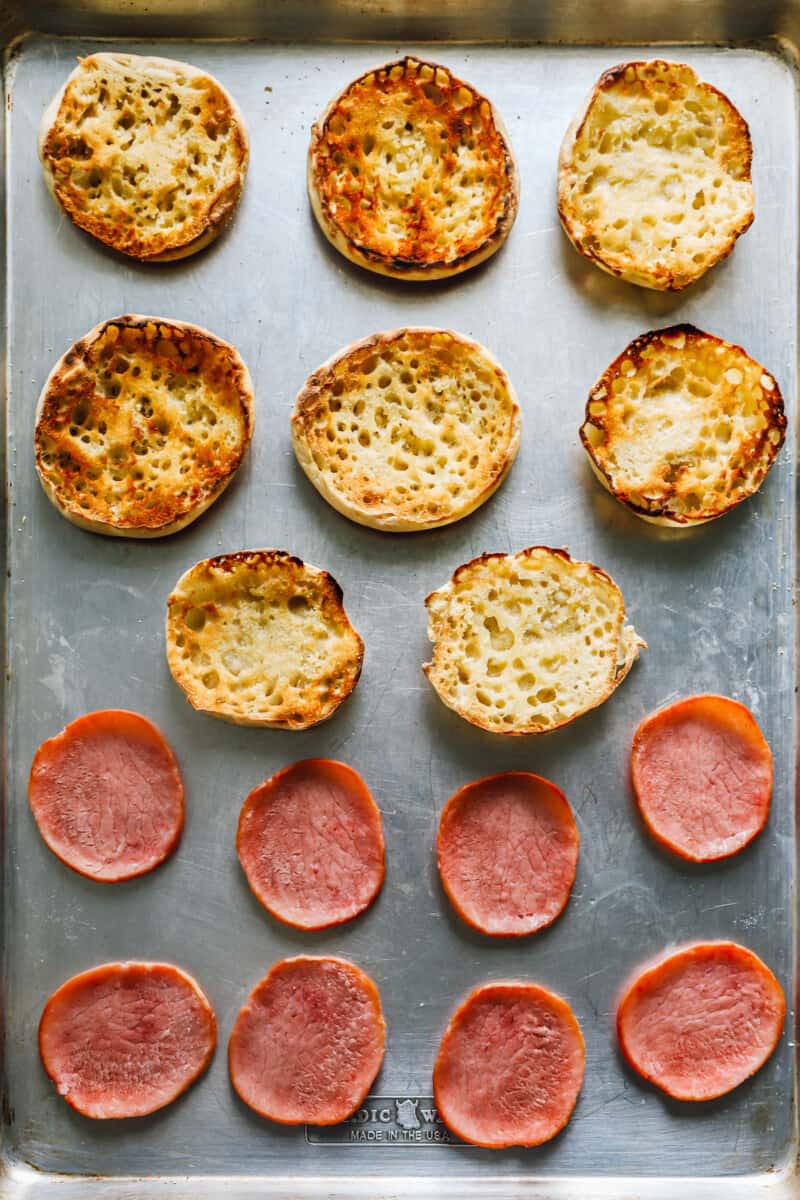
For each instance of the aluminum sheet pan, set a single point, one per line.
(85, 631)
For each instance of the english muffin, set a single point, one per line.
(411, 172)
(408, 429)
(683, 426)
(146, 154)
(261, 638)
(654, 175)
(525, 643)
(141, 425)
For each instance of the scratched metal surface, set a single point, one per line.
(86, 631)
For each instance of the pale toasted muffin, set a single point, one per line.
(524, 643)
(654, 175)
(146, 154)
(408, 429)
(411, 172)
(683, 426)
(261, 638)
(141, 425)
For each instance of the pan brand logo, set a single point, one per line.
(387, 1121)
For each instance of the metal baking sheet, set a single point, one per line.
(85, 631)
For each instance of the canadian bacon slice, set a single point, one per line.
(507, 851)
(310, 841)
(702, 1020)
(510, 1066)
(308, 1042)
(702, 775)
(126, 1038)
(107, 795)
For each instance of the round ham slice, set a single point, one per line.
(700, 1022)
(702, 775)
(510, 1066)
(107, 795)
(308, 1043)
(126, 1038)
(507, 851)
(310, 842)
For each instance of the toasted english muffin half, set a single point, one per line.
(525, 643)
(148, 155)
(261, 638)
(408, 429)
(654, 175)
(411, 172)
(141, 425)
(683, 426)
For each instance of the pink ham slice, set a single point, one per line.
(125, 1039)
(510, 1066)
(702, 774)
(310, 842)
(107, 795)
(507, 851)
(700, 1022)
(308, 1043)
